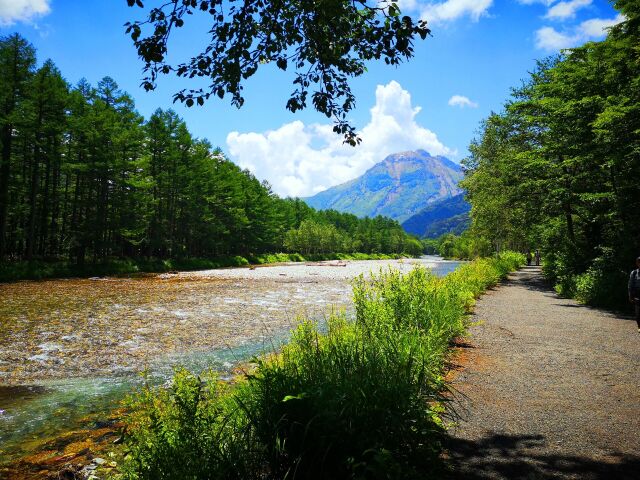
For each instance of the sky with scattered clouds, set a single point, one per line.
(477, 51)
(311, 158)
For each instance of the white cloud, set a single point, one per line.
(596, 27)
(462, 101)
(301, 160)
(451, 10)
(12, 11)
(565, 10)
(408, 5)
(548, 38)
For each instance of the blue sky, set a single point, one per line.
(478, 51)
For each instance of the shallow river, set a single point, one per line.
(71, 348)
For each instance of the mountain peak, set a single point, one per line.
(418, 155)
(398, 187)
(408, 155)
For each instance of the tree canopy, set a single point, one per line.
(326, 43)
(559, 168)
(83, 176)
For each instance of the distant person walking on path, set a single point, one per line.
(528, 259)
(634, 290)
(537, 257)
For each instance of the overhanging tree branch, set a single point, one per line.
(325, 42)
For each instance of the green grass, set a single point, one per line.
(355, 399)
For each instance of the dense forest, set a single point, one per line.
(559, 168)
(84, 178)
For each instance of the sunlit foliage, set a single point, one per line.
(559, 168)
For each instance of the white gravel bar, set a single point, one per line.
(326, 270)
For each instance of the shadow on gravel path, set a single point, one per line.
(510, 456)
(530, 278)
(551, 389)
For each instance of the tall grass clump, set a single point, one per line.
(190, 430)
(359, 398)
(473, 278)
(417, 301)
(349, 403)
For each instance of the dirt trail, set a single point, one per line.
(551, 389)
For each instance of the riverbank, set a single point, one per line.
(41, 316)
(40, 269)
(72, 347)
(352, 399)
(104, 327)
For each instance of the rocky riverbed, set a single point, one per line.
(113, 326)
(73, 348)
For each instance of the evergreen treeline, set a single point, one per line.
(84, 177)
(559, 168)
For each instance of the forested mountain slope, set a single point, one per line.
(450, 215)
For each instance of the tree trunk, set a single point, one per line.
(5, 171)
(44, 214)
(33, 196)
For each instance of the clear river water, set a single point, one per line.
(73, 348)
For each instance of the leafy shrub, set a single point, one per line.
(190, 430)
(566, 286)
(351, 403)
(557, 269)
(601, 285)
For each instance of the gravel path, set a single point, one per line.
(551, 389)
